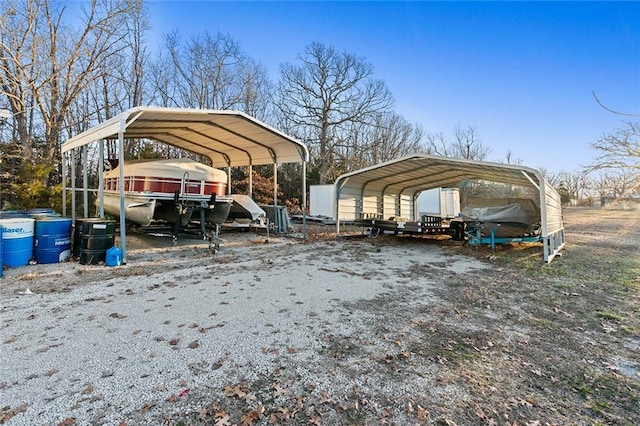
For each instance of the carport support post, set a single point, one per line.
(336, 206)
(64, 185)
(304, 200)
(123, 233)
(100, 177)
(85, 181)
(276, 216)
(250, 180)
(73, 184)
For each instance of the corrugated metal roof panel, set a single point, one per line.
(228, 138)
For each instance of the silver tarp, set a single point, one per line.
(507, 217)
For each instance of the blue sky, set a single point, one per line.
(521, 73)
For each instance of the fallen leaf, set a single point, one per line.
(279, 389)
(386, 413)
(324, 397)
(281, 414)
(221, 419)
(147, 406)
(421, 413)
(202, 414)
(315, 419)
(252, 416)
(239, 391)
(8, 413)
(408, 407)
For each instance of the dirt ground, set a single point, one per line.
(510, 341)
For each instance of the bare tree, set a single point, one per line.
(620, 148)
(465, 144)
(510, 159)
(123, 82)
(622, 183)
(615, 185)
(438, 144)
(163, 75)
(46, 64)
(255, 90)
(575, 184)
(553, 178)
(321, 100)
(210, 71)
(387, 137)
(601, 186)
(390, 137)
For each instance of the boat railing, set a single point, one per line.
(183, 188)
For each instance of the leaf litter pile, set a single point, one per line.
(395, 330)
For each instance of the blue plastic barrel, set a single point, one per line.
(17, 241)
(1, 264)
(10, 214)
(52, 239)
(36, 213)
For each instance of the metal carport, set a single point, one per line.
(391, 189)
(227, 138)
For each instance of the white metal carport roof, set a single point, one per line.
(391, 188)
(227, 138)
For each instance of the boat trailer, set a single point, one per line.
(476, 234)
(190, 221)
(428, 225)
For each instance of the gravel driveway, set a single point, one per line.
(331, 331)
(155, 339)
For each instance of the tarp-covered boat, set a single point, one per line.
(506, 217)
(173, 191)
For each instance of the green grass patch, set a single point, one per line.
(611, 316)
(541, 322)
(605, 393)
